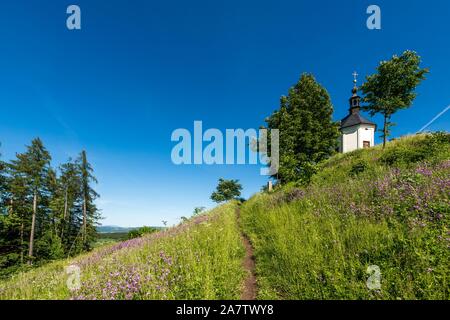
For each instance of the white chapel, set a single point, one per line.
(356, 131)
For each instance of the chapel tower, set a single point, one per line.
(356, 131)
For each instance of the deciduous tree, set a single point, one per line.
(308, 134)
(226, 190)
(392, 87)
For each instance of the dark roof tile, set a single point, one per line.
(353, 120)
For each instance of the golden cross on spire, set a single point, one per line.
(355, 77)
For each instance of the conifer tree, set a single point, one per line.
(31, 169)
(70, 194)
(89, 209)
(308, 134)
(49, 213)
(18, 208)
(3, 185)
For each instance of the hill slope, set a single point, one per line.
(199, 259)
(377, 210)
(388, 210)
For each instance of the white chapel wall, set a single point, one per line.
(349, 139)
(366, 133)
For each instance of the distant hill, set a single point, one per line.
(114, 229)
(118, 229)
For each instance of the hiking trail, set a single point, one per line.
(250, 287)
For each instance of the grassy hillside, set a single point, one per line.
(200, 259)
(371, 207)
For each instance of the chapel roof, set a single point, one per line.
(354, 119)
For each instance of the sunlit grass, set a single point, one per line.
(317, 242)
(200, 259)
(389, 208)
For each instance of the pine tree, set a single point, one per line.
(3, 185)
(66, 198)
(32, 168)
(52, 213)
(8, 225)
(308, 134)
(18, 207)
(90, 212)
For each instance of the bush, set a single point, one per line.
(428, 148)
(358, 167)
(136, 233)
(49, 247)
(403, 156)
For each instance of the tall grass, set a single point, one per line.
(200, 259)
(386, 208)
(372, 207)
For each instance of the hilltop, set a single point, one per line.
(372, 224)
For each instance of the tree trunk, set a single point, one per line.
(385, 131)
(21, 231)
(21, 241)
(66, 206)
(33, 224)
(84, 218)
(11, 208)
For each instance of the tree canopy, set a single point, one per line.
(226, 190)
(392, 87)
(42, 209)
(308, 134)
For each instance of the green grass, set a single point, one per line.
(389, 208)
(109, 238)
(200, 259)
(361, 210)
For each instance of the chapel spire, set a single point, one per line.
(355, 100)
(355, 81)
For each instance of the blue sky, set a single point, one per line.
(137, 70)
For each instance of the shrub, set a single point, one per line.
(429, 148)
(136, 233)
(49, 247)
(358, 167)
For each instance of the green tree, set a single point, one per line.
(136, 233)
(17, 208)
(49, 246)
(89, 209)
(3, 185)
(9, 224)
(67, 197)
(50, 212)
(308, 134)
(226, 190)
(198, 211)
(392, 87)
(31, 170)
